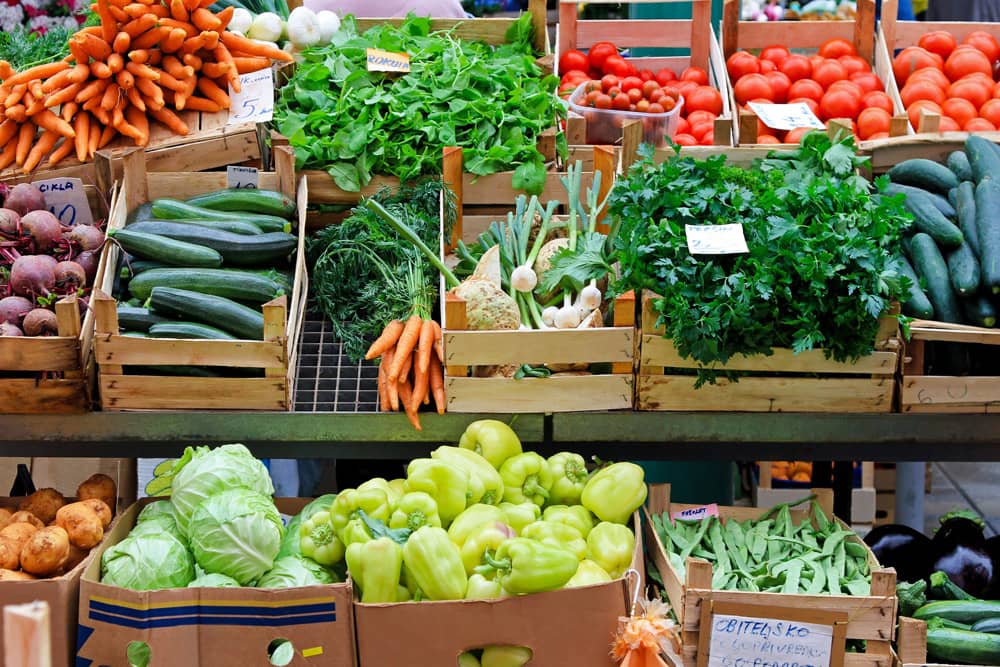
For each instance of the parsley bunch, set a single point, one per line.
(820, 269)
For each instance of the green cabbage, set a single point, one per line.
(213, 581)
(148, 561)
(158, 521)
(295, 571)
(290, 543)
(156, 510)
(236, 533)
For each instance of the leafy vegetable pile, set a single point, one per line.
(493, 101)
(23, 48)
(820, 270)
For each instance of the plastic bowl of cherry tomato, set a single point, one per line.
(609, 103)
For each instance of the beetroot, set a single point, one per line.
(69, 276)
(25, 198)
(89, 261)
(32, 275)
(40, 322)
(44, 229)
(8, 329)
(87, 237)
(13, 309)
(10, 223)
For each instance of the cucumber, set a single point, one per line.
(236, 285)
(930, 266)
(168, 209)
(965, 207)
(188, 330)
(166, 250)
(988, 625)
(988, 228)
(955, 625)
(236, 249)
(963, 611)
(958, 162)
(953, 197)
(940, 203)
(983, 158)
(924, 173)
(929, 220)
(238, 199)
(232, 226)
(980, 311)
(226, 314)
(917, 304)
(963, 268)
(135, 318)
(134, 267)
(963, 646)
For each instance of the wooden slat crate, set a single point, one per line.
(946, 393)
(866, 385)
(276, 353)
(871, 618)
(862, 498)
(465, 349)
(912, 644)
(54, 374)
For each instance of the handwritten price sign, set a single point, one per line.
(255, 101)
(387, 61)
(716, 239)
(246, 178)
(67, 200)
(786, 116)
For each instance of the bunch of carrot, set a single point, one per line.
(148, 59)
(411, 370)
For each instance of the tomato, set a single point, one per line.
(850, 86)
(704, 98)
(685, 140)
(959, 109)
(910, 59)
(696, 74)
(768, 139)
(752, 86)
(871, 121)
(665, 75)
(879, 135)
(839, 104)
(796, 67)
(708, 139)
(591, 97)
(878, 100)
(947, 124)
(979, 125)
(806, 88)
(574, 76)
(809, 102)
(614, 92)
(868, 81)
(991, 111)
(646, 75)
(965, 60)
(700, 116)
(616, 65)
(685, 88)
(668, 103)
(634, 95)
(940, 42)
(683, 126)
(775, 54)
(656, 95)
(621, 102)
(836, 47)
(699, 130)
(630, 82)
(780, 83)
(767, 66)
(608, 82)
(642, 106)
(932, 74)
(602, 101)
(921, 90)
(655, 107)
(599, 52)
(854, 64)
(913, 112)
(573, 60)
(974, 91)
(794, 136)
(985, 42)
(567, 89)
(648, 87)
(828, 72)
(742, 63)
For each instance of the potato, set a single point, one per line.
(5, 515)
(76, 556)
(18, 533)
(100, 509)
(43, 503)
(99, 486)
(13, 575)
(10, 554)
(81, 523)
(23, 516)
(45, 552)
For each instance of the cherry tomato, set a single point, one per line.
(656, 95)
(603, 101)
(599, 53)
(646, 75)
(668, 103)
(642, 106)
(634, 95)
(616, 65)
(630, 82)
(573, 59)
(621, 102)
(655, 108)
(614, 92)
(665, 75)
(591, 86)
(574, 76)
(608, 82)
(648, 87)
(592, 97)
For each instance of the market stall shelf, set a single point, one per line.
(945, 393)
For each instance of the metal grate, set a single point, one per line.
(327, 380)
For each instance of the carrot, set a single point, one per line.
(139, 121)
(64, 149)
(91, 90)
(211, 39)
(173, 41)
(181, 97)
(391, 388)
(171, 120)
(68, 111)
(425, 343)
(193, 44)
(405, 397)
(135, 98)
(212, 91)
(204, 19)
(125, 80)
(437, 385)
(224, 17)
(216, 70)
(178, 11)
(172, 66)
(100, 70)
(122, 42)
(140, 71)
(236, 42)
(7, 156)
(140, 56)
(45, 143)
(116, 63)
(404, 346)
(155, 58)
(37, 72)
(94, 30)
(79, 74)
(58, 81)
(49, 121)
(108, 23)
(32, 105)
(16, 94)
(201, 104)
(190, 5)
(152, 91)
(390, 334)
(383, 392)
(138, 26)
(78, 53)
(8, 130)
(206, 3)
(136, 9)
(223, 55)
(108, 133)
(125, 128)
(111, 96)
(96, 48)
(118, 14)
(439, 342)
(6, 71)
(93, 104)
(245, 65)
(192, 61)
(35, 88)
(16, 113)
(152, 103)
(67, 94)
(150, 38)
(421, 388)
(94, 141)
(81, 125)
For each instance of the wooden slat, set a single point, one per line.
(39, 354)
(794, 35)
(559, 393)
(926, 393)
(665, 33)
(953, 333)
(183, 185)
(26, 396)
(142, 392)
(548, 346)
(127, 351)
(491, 31)
(27, 637)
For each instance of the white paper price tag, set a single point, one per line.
(255, 101)
(716, 239)
(387, 61)
(246, 178)
(743, 641)
(67, 200)
(697, 513)
(786, 116)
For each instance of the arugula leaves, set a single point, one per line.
(492, 101)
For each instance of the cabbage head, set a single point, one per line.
(156, 510)
(290, 543)
(295, 571)
(213, 581)
(149, 561)
(236, 533)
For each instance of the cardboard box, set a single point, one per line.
(213, 627)
(566, 627)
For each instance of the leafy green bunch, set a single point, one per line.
(492, 101)
(819, 272)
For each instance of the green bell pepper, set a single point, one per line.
(569, 473)
(383, 485)
(375, 566)
(588, 574)
(476, 466)
(576, 516)
(526, 477)
(481, 588)
(526, 566)
(317, 539)
(471, 519)
(415, 509)
(447, 484)
(519, 515)
(488, 537)
(345, 507)
(506, 656)
(354, 532)
(468, 659)
(610, 545)
(290, 543)
(434, 565)
(615, 492)
(398, 486)
(492, 439)
(403, 593)
(557, 535)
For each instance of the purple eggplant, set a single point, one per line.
(903, 548)
(959, 550)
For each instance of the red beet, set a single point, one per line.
(32, 275)
(40, 322)
(44, 229)
(13, 309)
(25, 198)
(89, 261)
(8, 329)
(70, 276)
(9, 223)
(87, 237)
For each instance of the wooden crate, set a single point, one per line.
(863, 498)
(912, 644)
(54, 374)
(871, 617)
(276, 353)
(464, 349)
(865, 385)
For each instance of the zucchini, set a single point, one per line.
(980, 311)
(924, 173)
(232, 226)
(988, 228)
(188, 330)
(963, 611)
(929, 220)
(166, 250)
(226, 314)
(239, 199)
(930, 266)
(955, 625)
(958, 162)
(173, 209)
(988, 625)
(983, 158)
(136, 318)
(134, 267)
(963, 268)
(237, 249)
(943, 588)
(965, 206)
(917, 304)
(963, 646)
(236, 285)
(940, 203)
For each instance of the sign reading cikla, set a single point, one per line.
(67, 200)
(745, 635)
(387, 61)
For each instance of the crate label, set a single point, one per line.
(696, 513)
(744, 641)
(786, 116)
(246, 178)
(255, 101)
(716, 239)
(387, 61)
(67, 200)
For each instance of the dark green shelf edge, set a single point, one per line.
(649, 436)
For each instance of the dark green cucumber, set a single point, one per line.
(953, 197)
(958, 162)
(963, 646)
(929, 220)
(232, 226)
(239, 320)
(167, 250)
(955, 625)
(988, 625)
(134, 318)
(963, 611)
(268, 202)
(924, 173)
(917, 304)
(186, 330)
(988, 228)
(940, 203)
(232, 284)
(236, 249)
(168, 209)
(134, 267)
(963, 268)
(980, 311)
(983, 158)
(930, 266)
(965, 207)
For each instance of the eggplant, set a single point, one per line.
(959, 550)
(903, 548)
(993, 549)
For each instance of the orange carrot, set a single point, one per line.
(111, 96)
(204, 19)
(81, 125)
(193, 44)
(215, 70)
(91, 90)
(107, 134)
(100, 69)
(47, 120)
(118, 14)
(122, 42)
(58, 81)
(37, 72)
(125, 80)
(404, 374)
(190, 5)
(68, 111)
(192, 61)
(211, 39)
(171, 120)
(152, 103)
(93, 104)
(139, 121)
(439, 342)
(138, 26)
(224, 17)
(421, 387)
(212, 91)
(155, 58)
(32, 105)
(173, 41)
(43, 144)
(16, 113)
(135, 98)
(108, 23)
(125, 128)
(35, 88)
(7, 156)
(437, 384)
(172, 66)
(96, 48)
(8, 130)
(15, 96)
(404, 346)
(181, 97)
(406, 397)
(223, 55)
(137, 9)
(141, 71)
(245, 65)
(383, 392)
(425, 344)
(178, 11)
(206, 4)
(78, 53)
(201, 104)
(67, 94)
(386, 340)
(116, 63)
(94, 142)
(236, 42)
(152, 91)
(169, 82)
(140, 56)
(391, 388)
(79, 74)
(64, 149)
(6, 71)
(94, 30)
(150, 38)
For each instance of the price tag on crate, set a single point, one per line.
(246, 178)
(716, 239)
(255, 101)
(786, 116)
(696, 513)
(387, 61)
(67, 200)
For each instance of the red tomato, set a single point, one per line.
(704, 98)
(574, 75)
(573, 59)
(634, 95)
(608, 82)
(630, 82)
(599, 53)
(683, 139)
(648, 87)
(834, 48)
(642, 106)
(686, 88)
(567, 89)
(806, 88)
(700, 116)
(696, 74)
(665, 75)
(616, 65)
(878, 100)
(767, 66)
(742, 63)
(795, 135)
(854, 64)
(780, 83)
(868, 81)
(796, 67)
(775, 54)
(809, 102)
(603, 101)
(646, 75)
(621, 102)
(683, 126)
(828, 72)
(708, 139)
(592, 85)
(655, 107)
(656, 95)
(752, 86)
(839, 103)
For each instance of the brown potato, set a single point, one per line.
(99, 486)
(81, 524)
(43, 503)
(10, 554)
(45, 552)
(14, 575)
(76, 556)
(24, 516)
(18, 533)
(5, 515)
(100, 508)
